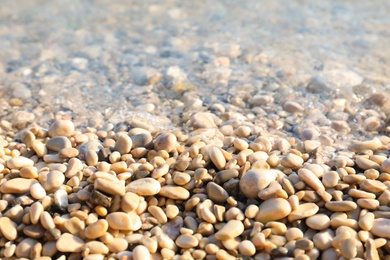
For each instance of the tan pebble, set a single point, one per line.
(273, 209)
(109, 187)
(366, 164)
(144, 187)
(340, 205)
(61, 128)
(58, 143)
(370, 204)
(8, 228)
(165, 142)
(158, 213)
(349, 248)
(91, 158)
(141, 140)
(330, 179)
(186, 241)
(24, 248)
(27, 137)
(292, 107)
(251, 211)
(181, 178)
(119, 220)
(293, 234)
(303, 211)
(172, 211)
(17, 185)
(36, 210)
(74, 166)
(68, 152)
(174, 192)
(54, 180)
(74, 225)
(96, 247)
(141, 252)
(129, 202)
(240, 144)
(292, 161)
(123, 144)
(373, 186)
(355, 193)
(93, 257)
(380, 227)
(318, 222)
(19, 162)
(47, 221)
(69, 243)
(216, 193)
(150, 243)
(373, 145)
(310, 179)
(230, 230)
(217, 157)
(253, 181)
(304, 244)
(371, 174)
(29, 172)
(366, 221)
(203, 120)
(117, 245)
(97, 229)
(386, 166)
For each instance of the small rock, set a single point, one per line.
(144, 187)
(58, 143)
(253, 181)
(273, 209)
(174, 192)
(165, 142)
(203, 120)
(17, 185)
(119, 221)
(216, 193)
(19, 162)
(69, 243)
(61, 128)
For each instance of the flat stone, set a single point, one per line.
(61, 128)
(187, 241)
(373, 186)
(19, 162)
(68, 152)
(340, 205)
(69, 243)
(318, 222)
(58, 143)
(17, 185)
(144, 187)
(303, 211)
(54, 180)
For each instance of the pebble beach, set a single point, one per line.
(194, 130)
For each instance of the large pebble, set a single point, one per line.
(203, 120)
(216, 193)
(318, 222)
(232, 229)
(8, 228)
(310, 179)
(292, 161)
(19, 162)
(123, 144)
(17, 185)
(54, 180)
(74, 166)
(61, 128)
(109, 187)
(69, 243)
(273, 209)
(141, 252)
(97, 229)
(144, 187)
(217, 157)
(58, 143)
(142, 140)
(187, 241)
(119, 220)
(373, 186)
(24, 248)
(381, 227)
(129, 202)
(303, 211)
(93, 145)
(174, 192)
(254, 181)
(165, 142)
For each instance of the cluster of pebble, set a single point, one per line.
(219, 193)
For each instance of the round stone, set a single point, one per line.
(174, 192)
(123, 144)
(273, 209)
(232, 229)
(165, 142)
(253, 181)
(381, 227)
(69, 243)
(318, 222)
(187, 241)
(58, 143)
(119, 220)
(61, 128)
(144, 187)
(53, 181)
(97, 229)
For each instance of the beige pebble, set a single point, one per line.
(141, 252)
(74, 166)
(366, 164)
(74, 225)
(330, 179)
(292, 107)
(29, 172)
(37, 191)
(355, 193)
(216, 193)
(373, 186)
(174, 192)
(58, 143)
(54, 180)
(8, 228)
(187, 241)
(367, 221)
(47, 221)
(370, 204)
(61, 128)
(24, 248)
(19, 162)
(96, 247)
(386, 166)
(373, 145)
(203, 120)
(117, 245)
(303, 211)
(293, 234)
(318, 222)
(217, 157)
(109, 187)
(165, 142)
(292, 161)
(253, 181)
(349, 248)
(273, 209)
(158, 213)
(17, 185)
(144, 187)
(310, 179)
(92, 145)
(380, 227)
(119, 220)
(230, 230)
(68, 152)
(69, 243)
(129, 202)
(172, 211)
(27, 137)
(340, 205)
(36, 210)
(91, 158)
(141, 140)
(181, 178)
(123, 144)
(96, 230)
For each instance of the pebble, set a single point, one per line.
(53, 181)
(61, 128)
(380, 227)
(68, 152)
(186, 241)
(144, 187)
(253, 181)
(217, 157)
(19, 162)
(292, 161)
(69, 243)
(230, 230)
(366, 164)
(58, 143)
(166, 142)
(92, 145)
(349, 248)
(246, 248)
(174, 192)
(123, 144)
(373, 186)
(29, 172)
(273, 209)
(119, 220)
(337, 206)
(143, 139)
(292, 107)
(109, 187)
(8, 228)
(24, 248)
(129, 202)
(73, 167)
(310, 179)
(17, 185)
(96, 230)
(96, 247)
(203, 120)
(141, 252)
(318, 222)
(303, 211)
(216, 193)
